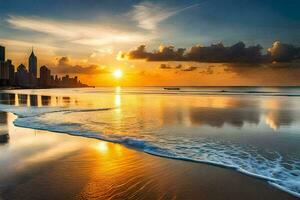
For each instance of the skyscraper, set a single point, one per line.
(11, 70)
(45, 76)
(33, 65)
(22, 76)
(2, 53)
(4, 73)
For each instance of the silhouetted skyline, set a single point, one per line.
(28, 78)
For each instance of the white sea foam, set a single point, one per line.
(270, 166)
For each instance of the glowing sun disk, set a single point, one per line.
(118, 73)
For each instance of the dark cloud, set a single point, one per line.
(65, 67)
(189, 69)
(178, 66)
(218, 53)
(165, 53)
(165, 66)
(280, 52)
(63, 60)
(208, 70)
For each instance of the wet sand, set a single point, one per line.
(44, 165)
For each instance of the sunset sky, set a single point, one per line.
(158, 42)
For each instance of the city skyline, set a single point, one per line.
(27, 77)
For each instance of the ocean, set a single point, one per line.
(253, 130)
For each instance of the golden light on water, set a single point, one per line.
(102, 147)
(118, 73)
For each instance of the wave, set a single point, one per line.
(214, 153)
(38, 111)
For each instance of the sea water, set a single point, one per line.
(254, 130)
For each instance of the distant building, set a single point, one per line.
(22, 76)
(45, 76)
(4, 73)
(11, 73)
(32, 61)
(2, 53)
(7, 70)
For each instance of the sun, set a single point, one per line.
(118, 73)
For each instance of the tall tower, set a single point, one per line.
(33, 64)
(2, 53)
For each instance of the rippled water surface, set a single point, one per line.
(252, 130)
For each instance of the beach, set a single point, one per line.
(47, 165)
(162, 100)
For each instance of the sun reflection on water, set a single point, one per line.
(102, 147)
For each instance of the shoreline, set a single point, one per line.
(268, 180)
(265, 186)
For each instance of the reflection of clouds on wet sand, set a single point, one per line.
(218, 117)
(213, 111)
(278, 112)
(218, 111)
(278, 118)
(28, 147)
(4, 136)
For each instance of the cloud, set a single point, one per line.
(189, 69)
(165, 66)
(178, 66)
(75, 32)
(165, 53)
(218, 53)
(64, 66)
(16, 44)
(281, 52)
(63, 61)
(202, 69)
(209, 70)
(102, 52)
(148, 15)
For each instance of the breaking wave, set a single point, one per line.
(281, 172)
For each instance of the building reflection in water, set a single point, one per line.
(163, 110)
(22, 99)
(33, 100)
(4, 136)
(66, 101)
(7, 98)
(46, 100)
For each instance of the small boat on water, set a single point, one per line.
(171, 88)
